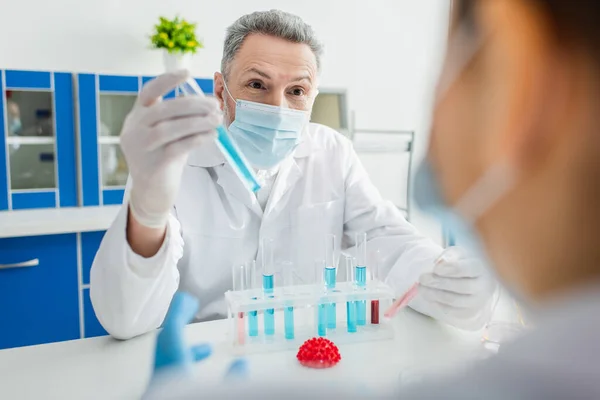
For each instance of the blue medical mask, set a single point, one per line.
(459, 219)
(266, 134)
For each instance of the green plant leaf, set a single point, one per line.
(175, 35)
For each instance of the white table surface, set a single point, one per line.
(104, 368)
(48, 221)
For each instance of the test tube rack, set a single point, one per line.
(306, 301)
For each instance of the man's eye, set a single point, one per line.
(298, 92)
(256, 85)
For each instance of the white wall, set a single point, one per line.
(385, 52)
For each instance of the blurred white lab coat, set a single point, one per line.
(217, 224)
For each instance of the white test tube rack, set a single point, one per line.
(306, 300)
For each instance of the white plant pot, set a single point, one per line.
(176, 61)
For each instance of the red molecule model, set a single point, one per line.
(318, 353)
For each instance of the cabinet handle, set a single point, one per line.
(31, 263)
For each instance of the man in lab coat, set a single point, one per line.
(187, 219)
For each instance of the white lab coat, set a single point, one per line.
(217, 224)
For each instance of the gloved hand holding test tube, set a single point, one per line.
(447, 255)
(232, 154)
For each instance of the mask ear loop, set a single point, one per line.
(227, 89)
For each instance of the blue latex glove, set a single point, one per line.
(172, 354)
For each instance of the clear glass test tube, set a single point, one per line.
(330, 279)
(375, 277)
(268, 284)
(228, 147)
(320, 266)
(350, 305)
(360, 275)
(239, 284)
(289, 282)
(252, 282)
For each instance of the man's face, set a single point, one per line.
(271, 71)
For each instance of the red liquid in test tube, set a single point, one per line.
(375, 276)
(375, 312)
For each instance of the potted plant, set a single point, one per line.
(177, 39)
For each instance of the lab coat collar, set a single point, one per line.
(289, 174)
(208, 155)
(231, 184)
(307, 144)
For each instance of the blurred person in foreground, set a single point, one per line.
(514, 167)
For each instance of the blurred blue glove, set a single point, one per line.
(172, 354)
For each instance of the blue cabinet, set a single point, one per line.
(92, 326)
(44, 280)
(39, 290)
(37, 140)
(104, 102)
(90, 243)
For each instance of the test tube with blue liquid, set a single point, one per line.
(268, 284)
(330, 277)
(350, 305)
(360, 276)
(226, 144)
(287, 270)
(252, 283)
(320, 266)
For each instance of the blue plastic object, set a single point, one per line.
(171, 353)
(171, 350)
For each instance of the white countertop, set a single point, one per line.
(56, 220)
(103, 368)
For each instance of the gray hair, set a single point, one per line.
(273, 23)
